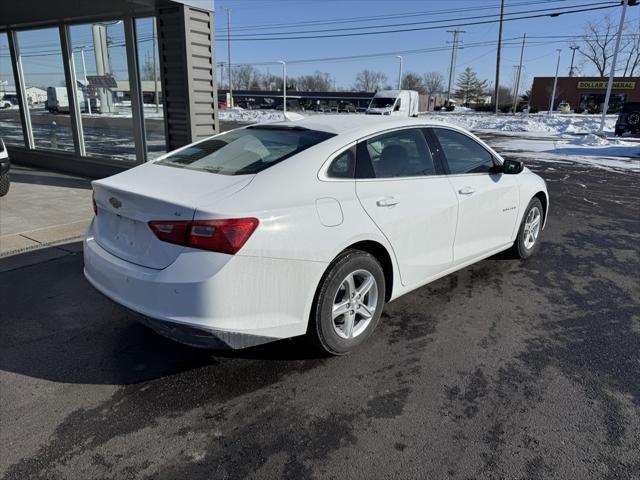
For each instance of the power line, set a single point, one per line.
(428, 22)
(484, 22)
(359, 20)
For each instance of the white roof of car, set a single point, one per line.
(345, 123)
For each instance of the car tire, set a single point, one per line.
(528, 240)
(633, 118)
(5, 183)
(341, 291)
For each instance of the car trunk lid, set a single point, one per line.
(128, 201)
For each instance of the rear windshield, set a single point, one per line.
(246, 151)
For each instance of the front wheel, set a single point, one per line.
(348, 304)
(528, 239)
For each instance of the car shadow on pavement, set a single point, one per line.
(36, 177)
(54, 325)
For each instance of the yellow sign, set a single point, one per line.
(603, 85)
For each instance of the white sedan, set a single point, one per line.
(308, 227)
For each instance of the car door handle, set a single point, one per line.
(387, 202)
(467, 191)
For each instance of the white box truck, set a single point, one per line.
(58, 101)
(404, 103)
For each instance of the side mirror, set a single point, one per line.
(396, 108)
(512, 167)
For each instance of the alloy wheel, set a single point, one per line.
(354, 304)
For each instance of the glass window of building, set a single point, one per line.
(152, 101)
(100, 59)
(45, 88)
(10, 124)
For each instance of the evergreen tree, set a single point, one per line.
(470, 88)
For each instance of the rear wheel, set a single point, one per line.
(5, 183)
(348, 304)
(529, 234)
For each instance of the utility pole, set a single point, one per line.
(452, 66)
(155, 73)
(86, 83)
(284, 87)
(555, 83)
(573, 55)
(228, 10)
(497, 86)
(400, 73)
(605, 107)
(515, 96)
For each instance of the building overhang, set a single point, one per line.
(41, 13)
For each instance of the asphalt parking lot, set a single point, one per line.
(503, 370)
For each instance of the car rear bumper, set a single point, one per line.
(209, 299)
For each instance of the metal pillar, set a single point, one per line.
(137, 109)
(18, 75)
(72, 90)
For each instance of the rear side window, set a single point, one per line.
(403, 153)
(463, 154)
(344, 165)
(246, 151)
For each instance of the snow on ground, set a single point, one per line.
(252, 116)
(537, 124)
(607, 154)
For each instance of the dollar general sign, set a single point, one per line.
(603, 85)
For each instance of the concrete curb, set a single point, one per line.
(19, 243)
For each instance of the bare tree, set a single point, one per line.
(433, 82)
(245, 77)
(146, 70)
(412, 81)
(369, 81)
(599, 40)
(633, 56)
(316, 82)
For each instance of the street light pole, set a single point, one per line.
(400, 73)
(605, 107)
(284, 87)
(573, 56)
(229, 55)
(555, 83)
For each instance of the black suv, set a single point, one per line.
(629, 119)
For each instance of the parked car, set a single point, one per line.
(5, 166)
(5, 104)
(629, 119)
(307, 227)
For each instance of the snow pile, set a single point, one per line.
(537, 124)
(250, 116)
(594, 140)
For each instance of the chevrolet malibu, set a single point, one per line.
(307, 227)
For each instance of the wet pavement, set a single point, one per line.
(506, 369)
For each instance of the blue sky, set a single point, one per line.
(540, 59)
(42, 61)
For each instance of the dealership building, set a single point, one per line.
(584, 92)
(128, 80)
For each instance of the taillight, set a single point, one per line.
(224, 236)
(93, 202)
